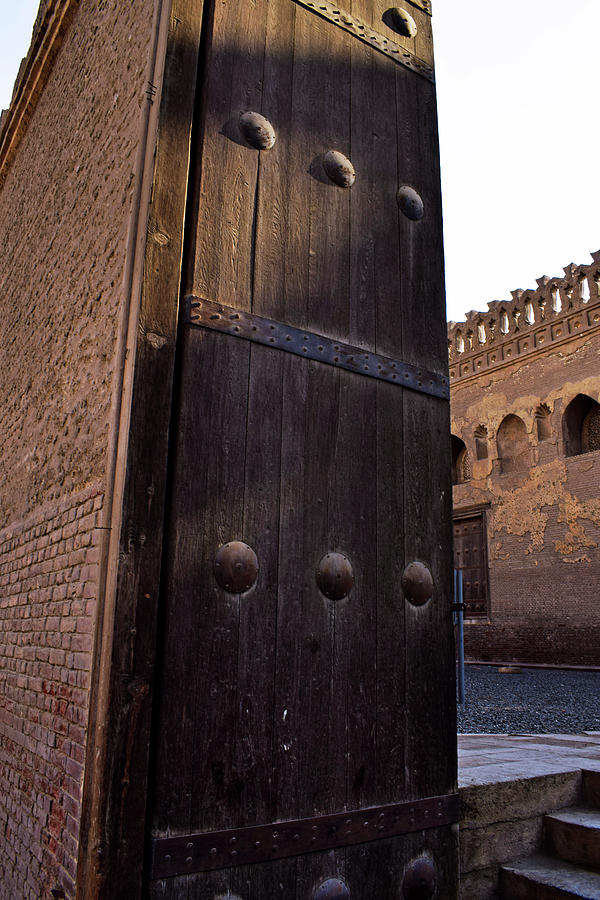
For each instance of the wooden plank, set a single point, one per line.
(328, 98)
(304, 646)
(303, 621)
(112, 836)
(430, 699)
(352, 525)
(199, 659)
(375, 275)
(255, 732)
(221, 245)
(220, 248)
(294, 583)
(258, 616)
(282, 175)
(323, 775)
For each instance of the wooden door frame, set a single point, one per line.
(112, 834)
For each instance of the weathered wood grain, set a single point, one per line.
(281, 703)
(112, 835)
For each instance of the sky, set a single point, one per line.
(517, 86)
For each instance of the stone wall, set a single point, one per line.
(68, 149)
(542, 504)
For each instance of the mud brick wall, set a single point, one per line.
(543, 518)
(66, 202)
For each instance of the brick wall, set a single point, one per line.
(66, 203)
(49, 570)
(543, 520)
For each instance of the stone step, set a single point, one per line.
(574, 835)
(545, 878)
(591, 788)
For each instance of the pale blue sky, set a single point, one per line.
(519, 134)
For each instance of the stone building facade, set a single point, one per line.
(525, 391)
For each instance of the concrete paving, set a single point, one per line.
(490, 758)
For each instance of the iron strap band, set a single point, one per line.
(205, 851)
(353, 25)
(425, 5)
(260, 330)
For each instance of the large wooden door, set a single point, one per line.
(307, 476)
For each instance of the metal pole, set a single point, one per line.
(461, 640)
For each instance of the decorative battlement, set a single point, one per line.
(556, 310)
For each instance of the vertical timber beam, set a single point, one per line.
(114, 805)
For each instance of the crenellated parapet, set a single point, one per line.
(558, 309)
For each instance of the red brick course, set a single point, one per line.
(49, 564)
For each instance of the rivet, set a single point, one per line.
(257, 130)
(334, 576)
(332, 889)
(420, 878)
(417, 583)
(235, 567)
(410, 203)
(403, 22)
(339, 169)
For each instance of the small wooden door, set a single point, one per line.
(470, 557)
(292, 714)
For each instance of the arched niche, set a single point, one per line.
(481, 442)
(542, 421)
(513, 444)
(461, 461)
(581, 426)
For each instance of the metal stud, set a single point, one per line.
(410, 203)
(419, 879)
(335, 576)
(332, 889)
(403, 22)
(257, 130)
(417, 583)
(235, 567)
(339, 169)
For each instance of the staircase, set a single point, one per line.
(569, 865)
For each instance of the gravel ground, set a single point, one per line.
(530, 701)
